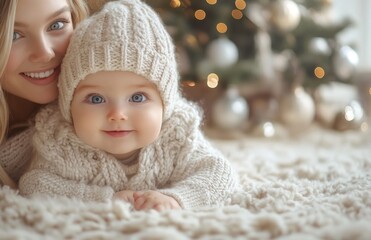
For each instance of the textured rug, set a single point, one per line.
(315, 186)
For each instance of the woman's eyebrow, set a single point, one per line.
(53, 15)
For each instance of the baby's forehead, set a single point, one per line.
(105, 76)
(115, 79)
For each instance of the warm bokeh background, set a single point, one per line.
(264, 65)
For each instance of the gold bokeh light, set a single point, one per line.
(211, 2)
(319, 72)
(237, 14)
(212, 80)
(240, 4)
(200, 14)
(175, 3)
(221, 27)
(189, 83)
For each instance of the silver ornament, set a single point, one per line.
(351, 117)
(285, 15)
(297, 109)
(222, 52)
(319, 46)
(230, 112)
(345, 62)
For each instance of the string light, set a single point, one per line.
(212, 80)
(200, 14)
(175, 3)
(189, 83)
(237, 14)
(211, 2)
(240, 4)
(221, 27)
(319, 72)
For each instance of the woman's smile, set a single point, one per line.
(42, 77)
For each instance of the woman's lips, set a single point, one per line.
(42, 78)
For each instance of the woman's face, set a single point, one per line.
(42, 31)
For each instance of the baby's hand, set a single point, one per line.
(144, 200)
(126, 195)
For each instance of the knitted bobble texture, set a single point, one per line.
(123, 36)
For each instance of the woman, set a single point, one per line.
(34, 36)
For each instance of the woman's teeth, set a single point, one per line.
(40, 74)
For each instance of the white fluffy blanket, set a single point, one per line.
(317, 186)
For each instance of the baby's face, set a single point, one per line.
(116, 111)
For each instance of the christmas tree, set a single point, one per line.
(227, 42)
(279, 54)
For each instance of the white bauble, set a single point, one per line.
(345, 62)
(351, 117)
(285, 15)
(297, 109)
(230, 112)
(319, 46)
(222, 52)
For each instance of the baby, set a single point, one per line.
(122, 128)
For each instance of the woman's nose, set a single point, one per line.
(42, 50)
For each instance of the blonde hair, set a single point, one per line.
(79, 11)
(7, 15)
(95, 5)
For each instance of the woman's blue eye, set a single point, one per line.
(16, 36)
(57, 25)
(138, 97)
(96, 99)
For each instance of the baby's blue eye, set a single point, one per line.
(96, 99)
(138, 97)
(57, 25)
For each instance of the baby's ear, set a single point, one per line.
(95, 5)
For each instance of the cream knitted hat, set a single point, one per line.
(126, 35)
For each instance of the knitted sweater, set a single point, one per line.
(181, 163)
(15, 153)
